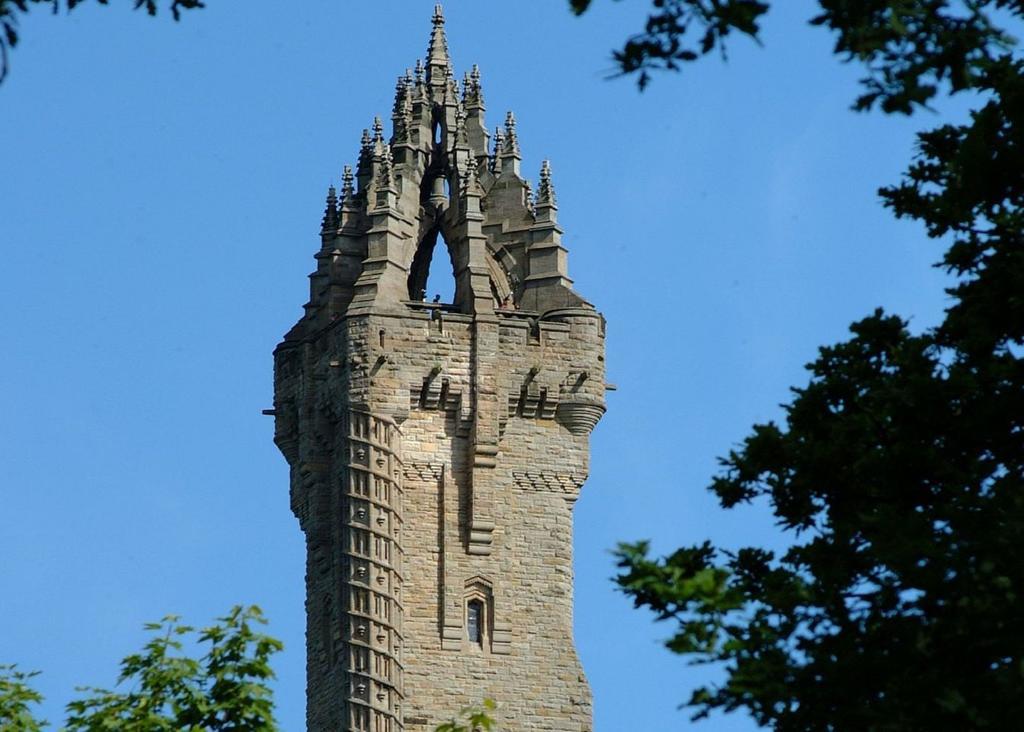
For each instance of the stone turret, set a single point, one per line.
(436, 449)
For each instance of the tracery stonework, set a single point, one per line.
(436, 449)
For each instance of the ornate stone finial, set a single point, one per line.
(499, 144)
(511, 148)
(451, 86)
(406, 121)
(348, 190)
(401, 92)
(478, 91)
(470, 187)
(545, 191)
(418, 85)
(437, 51)
(330, 220)
(461, 139)
(378, 130)
(401, 115)
(384, 180)
(365, 151)
(472, 97)
(387, 166)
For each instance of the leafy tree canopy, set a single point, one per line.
(17, 698)
(167, 690)
(898, 470)
(9, 10)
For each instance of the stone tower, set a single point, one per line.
(436, 449)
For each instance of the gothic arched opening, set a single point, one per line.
(432, 275)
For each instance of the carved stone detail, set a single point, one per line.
(557, 483)
(374, 555)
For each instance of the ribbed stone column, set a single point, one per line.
(371, 536)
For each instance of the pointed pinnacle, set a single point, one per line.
(330, 219)
(384, 171)
(469, 178)
(437, 51)
(545, 190)
(348, 190)
(401, 91)
(461, 139)
(499, 143)
(478, 92)
(403, 122)
(378, 130)
(419, 71)
(511, 138)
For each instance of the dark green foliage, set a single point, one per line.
(910, 47)
(663, 44)
(16, 701)
(967, 183)
(899, 470)
(9, 10)
(168, 690)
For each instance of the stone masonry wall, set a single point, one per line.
(410, 374)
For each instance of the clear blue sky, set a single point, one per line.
(161, 187)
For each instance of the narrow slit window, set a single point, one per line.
(474, 620)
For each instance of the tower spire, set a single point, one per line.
(437, 52)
